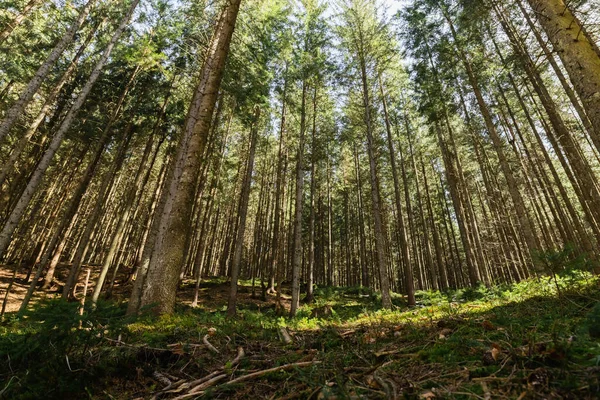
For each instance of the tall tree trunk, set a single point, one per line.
(275, 245)
(408, 272)
(313, 184)
(362, 251)
(298, 206)
(41, 74)
(242, 212)
(169, 252)
(577, 52)
(386, 300)
(38, 174)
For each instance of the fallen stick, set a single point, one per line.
(162, 379)
(196, 391)
(201, 383)
(210, 346)
(275, 369)
(240, 354)
(287, 339)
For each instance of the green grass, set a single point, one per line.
(524, 339)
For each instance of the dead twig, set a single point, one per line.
(162, 379)
(287, 339)
(275, 369)
(196, 390)
(209, 345)
(194, 387)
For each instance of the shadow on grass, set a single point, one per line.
(499, 341)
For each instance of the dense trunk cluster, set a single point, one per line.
(295, 146)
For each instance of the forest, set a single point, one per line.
(278, 199)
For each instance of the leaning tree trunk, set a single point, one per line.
(531, 239)
(24, 140)
(18, 19)
(169, 252)
(34, 84)
(558, 72)
(577, 52)
(38, 174)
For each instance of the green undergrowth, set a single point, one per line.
(535, 339)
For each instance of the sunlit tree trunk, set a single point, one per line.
(578, 53)
(168, 250)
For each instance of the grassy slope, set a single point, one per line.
(522, 341)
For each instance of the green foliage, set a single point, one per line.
(593, 321)
(51, 348)
(447, 333)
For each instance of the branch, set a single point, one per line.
(266, 371)
(210, 346)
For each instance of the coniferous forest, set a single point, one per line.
(276, 199)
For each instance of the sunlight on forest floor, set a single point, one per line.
(518, 341)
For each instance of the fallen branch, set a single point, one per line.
(240, 354)
(210, 346)
(162, 379)
(275, 369)
(214, 378)
(119, 342)
(287, 339)
(200, 384)
(195, 391)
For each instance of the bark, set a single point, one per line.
(41, 74)
(298, 206)
(242, 212)
(40, 170)
(144, 251)
(408, 272)
(169, 252)
(577, 52)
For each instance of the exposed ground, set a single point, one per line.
(516, 342)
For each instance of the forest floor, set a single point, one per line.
(523, 341)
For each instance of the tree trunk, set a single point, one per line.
(409, 285)
(313, 184)
(577, 52)
(242, 212)
(386, 300)
(298, 205)
(38, 174)
(41, 74)
(169, 252)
